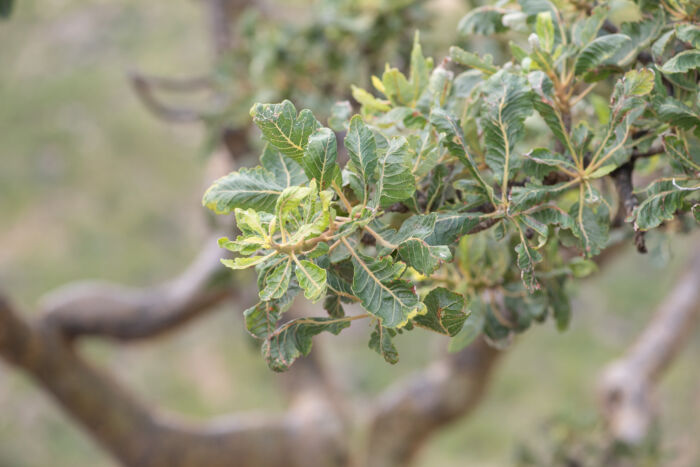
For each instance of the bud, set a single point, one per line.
(534, 41)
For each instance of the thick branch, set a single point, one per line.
(124, 313)
(140, 438)
(411, 411)
(627, 384)
(145, 86)
(627, 200)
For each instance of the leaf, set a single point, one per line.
(472, 60)
(482, 20)
(676, 113)
(283, 128)
(445, 312)
(677, 149)
(362, 149)
(472, 327)
(376, 284)
(245, 263)
(293, 340)
(598, 51)
(682, 63)
(320, 156)
(528, 257)
(524, 197)
(450, 226)
(453, 140)
(420, 69)
(276, 282)
(423, 257)
(508, 102)
(287, 172)
(396, 182)
(397, 88)
(6, 8)
(689, 33)
(311, 278)
(340, 116)
(248, 188)
(289, 200)
(544, 27)
(591, 226)
(664, 198)
(369, 103)
(380, 342)
(540, 161)
(639, 82)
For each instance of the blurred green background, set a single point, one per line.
(92, 186)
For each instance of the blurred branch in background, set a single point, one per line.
(627, 385)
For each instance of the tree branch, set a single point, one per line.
(411, 411)
(626, 385)
(138, 437)
(125, 313)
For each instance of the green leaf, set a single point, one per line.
(287, 172)
(362, 149)
(683, 62)
(677, 149)
(472, 60)
(540, 161)
(293, 340)
(420, 69)
(397, 88)
(396, 182)
(276, 282)
(248, 188)
(311, 278)
(544, 28)
(599, 51)
(508, 102)
(453, 139)
(677, 114)
(283, 128)
(472, 327)
(689, 33)
(482, 20)
(380, 341)
(450, 226)
(524, 197)
(445, 312)
(320, 156)
(528, 256)
(663, 199)
(602, 171)
(6, 8)
(340, 116)
(289, 200)
(423, 257)
(591, 226)
(376, 284)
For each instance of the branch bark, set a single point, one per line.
(139, 437)
(126, 313)
(626, 385)
(411, 411)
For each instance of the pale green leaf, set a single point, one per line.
(283, 128)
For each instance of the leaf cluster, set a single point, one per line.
(463, 197)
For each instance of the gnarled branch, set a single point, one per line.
(125, 313)
(411, 411)
(626, 385)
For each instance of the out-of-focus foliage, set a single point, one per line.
(312, 60)
(443, 188)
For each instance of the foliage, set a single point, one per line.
(452, 211)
